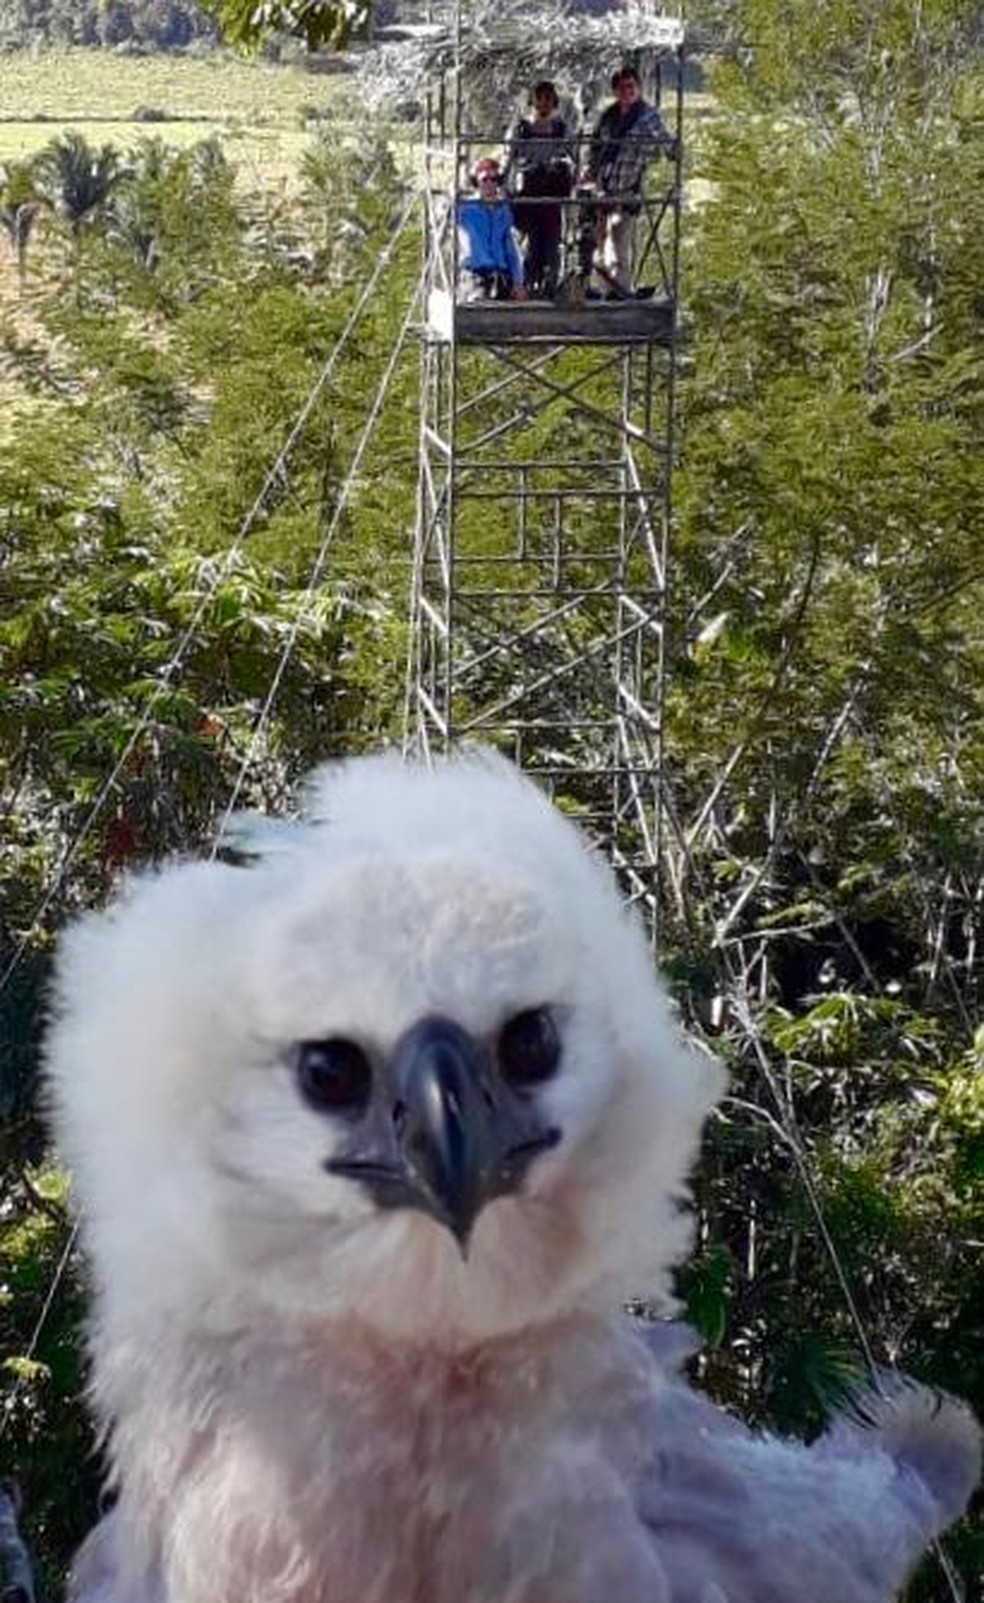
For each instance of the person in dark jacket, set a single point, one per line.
(490, 266)
(538, 174)
(628, 134)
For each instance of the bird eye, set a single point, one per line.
(334, 1075)
(529, 1048)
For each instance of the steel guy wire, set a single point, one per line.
(801, 1159)
(321, 558)
(20, 1381)
(175, 661)
(326, 372)
(62, 1265)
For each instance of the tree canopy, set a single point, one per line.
(320, 23)
(826, 650)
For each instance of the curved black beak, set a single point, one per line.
(446, 1136)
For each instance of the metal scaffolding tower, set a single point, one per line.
(546, 442)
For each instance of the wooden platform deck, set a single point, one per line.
(549, 323)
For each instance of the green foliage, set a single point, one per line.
(186, 358)
(351, 194)
(320, 23)
(886, 64)
(173, 224)
(21, 1004)
(20, 208)
(17, 185)
(825, 702)
(705, 1284)
(46, 1435)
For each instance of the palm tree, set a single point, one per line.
(135, 213)
(19, 210)
(77, 179)
(18, 224)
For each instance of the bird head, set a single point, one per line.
(406, 1063)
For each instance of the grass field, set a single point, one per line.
(258, 109)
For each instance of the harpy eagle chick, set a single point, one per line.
(372, 1138)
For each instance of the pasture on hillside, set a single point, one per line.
(260, 110)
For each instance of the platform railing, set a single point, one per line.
(582, 204)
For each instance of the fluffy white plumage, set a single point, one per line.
(311, 1395)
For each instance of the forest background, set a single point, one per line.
(163, 322)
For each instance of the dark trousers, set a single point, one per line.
(540, 227)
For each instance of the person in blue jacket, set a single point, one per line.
(490, 267)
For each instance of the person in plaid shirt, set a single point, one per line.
(627, 136)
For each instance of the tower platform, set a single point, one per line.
(629, 322)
